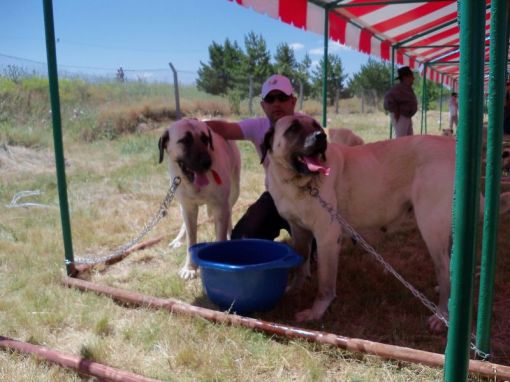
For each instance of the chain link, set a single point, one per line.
(146, 229)
(314, 192)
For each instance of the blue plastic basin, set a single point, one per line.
(244, 276)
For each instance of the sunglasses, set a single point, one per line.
(282, 97)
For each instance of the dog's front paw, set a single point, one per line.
(188, 272)
(317, 310)
(436, 325)
(305, 316)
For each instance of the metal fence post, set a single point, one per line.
(250, 95)
(178, 113)
(301, 95)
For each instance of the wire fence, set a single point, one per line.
(15, 68)
(364, 100)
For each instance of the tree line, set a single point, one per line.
(231, 69)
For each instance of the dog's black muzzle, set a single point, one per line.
(200, 162)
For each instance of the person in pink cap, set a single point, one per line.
(262, 219)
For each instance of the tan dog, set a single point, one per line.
(209, 167)
(372, 186)
(505, 159)
(344, 136)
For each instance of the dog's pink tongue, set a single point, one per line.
(315, 166)
(201, 180)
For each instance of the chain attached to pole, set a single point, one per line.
(146, 229)
(335, 215)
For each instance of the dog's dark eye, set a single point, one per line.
(204, 138)
(316, 125)
(505, 154)
(293, 128)
(187, 140)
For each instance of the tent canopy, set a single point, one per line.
(421, 32)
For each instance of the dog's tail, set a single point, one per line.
(177, 242)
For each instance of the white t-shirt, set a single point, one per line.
(254, 130)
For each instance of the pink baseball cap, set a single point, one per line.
(276, 82)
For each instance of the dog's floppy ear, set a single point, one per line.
(210, 139)
(163, 140)
(267, 144)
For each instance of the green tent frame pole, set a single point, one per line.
(57, 135)
(441, 103)
(325, 69)
(392, 79)
(499, 14)
(467, 187)
(423, 97)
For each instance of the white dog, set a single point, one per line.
(344, 136)
(209, 167)
(371, 186)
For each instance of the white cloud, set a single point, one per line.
(316, 51)
(333, 47)
(296, 46)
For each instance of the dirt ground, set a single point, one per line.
(372, 304)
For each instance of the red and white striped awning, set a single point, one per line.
(427, 31)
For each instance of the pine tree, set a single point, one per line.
(223, 72)
(257, 63)
(335, 77)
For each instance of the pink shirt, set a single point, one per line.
(254, 130)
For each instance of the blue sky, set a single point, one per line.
(98, 36)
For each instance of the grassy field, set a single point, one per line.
(114, 186)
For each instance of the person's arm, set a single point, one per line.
(228, 130)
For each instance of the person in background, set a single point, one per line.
(400, 101)
(262, 219)
(453, 109)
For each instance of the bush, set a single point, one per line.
(234, 100)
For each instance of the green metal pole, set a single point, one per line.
(392, 79)
(325, 69)
(57, 135)
(426, 105)
(467, 187)
(496, 97)
(423, 96)
(441, 103)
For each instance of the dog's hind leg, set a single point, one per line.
(177, 241)
(434, 226)
(222, 220)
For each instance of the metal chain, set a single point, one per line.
(335, 215)
(148, 227)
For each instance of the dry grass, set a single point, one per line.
(114, 187)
